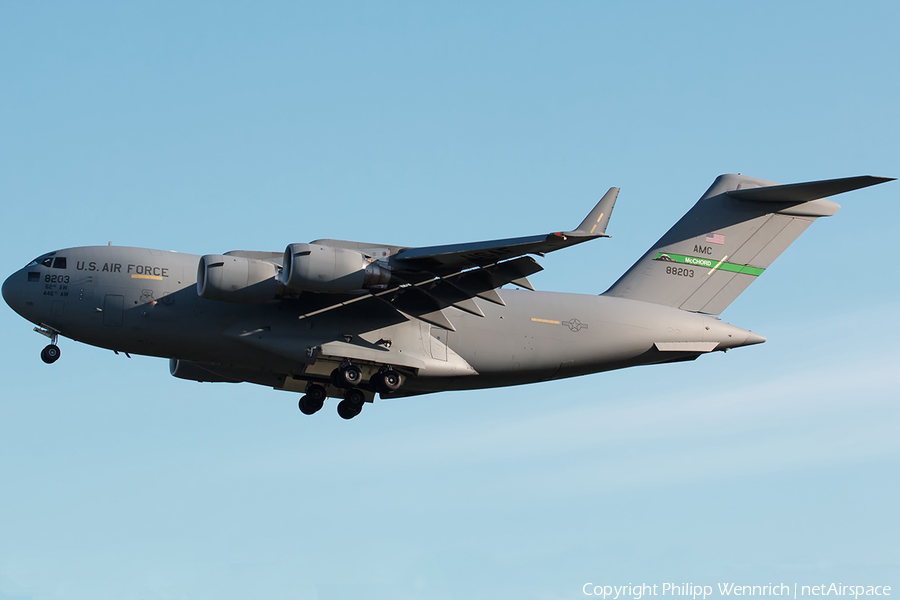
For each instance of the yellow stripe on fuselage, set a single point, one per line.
(157, 277)
(545, 321)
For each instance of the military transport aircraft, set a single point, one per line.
(351, 320)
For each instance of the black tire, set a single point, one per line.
(356, 397)
(309, 405)
(348, 377)
(50, 354)
(347, 410)
(352, 404)
(388, 382)
(316, 392)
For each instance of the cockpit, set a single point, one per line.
(51, 261)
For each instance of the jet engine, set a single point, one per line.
(328, 269)
(237, 279)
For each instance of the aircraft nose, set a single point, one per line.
(6, 290)
(11, 293)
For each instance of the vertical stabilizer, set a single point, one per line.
(728, 239)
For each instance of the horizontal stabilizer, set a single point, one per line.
(806, 192)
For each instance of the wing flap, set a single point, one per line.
(470, 306)
(478, 281)
(491, 296)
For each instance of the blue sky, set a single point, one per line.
(216, 126)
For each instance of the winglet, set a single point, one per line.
(597, 220)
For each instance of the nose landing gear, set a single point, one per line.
(49, 354)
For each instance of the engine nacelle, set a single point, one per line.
(184, 369)
(318, 268)
(237, 279)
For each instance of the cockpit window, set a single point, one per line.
(43, 259)
(59, 262)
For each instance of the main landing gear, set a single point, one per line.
(387, 381)
(346, 376)
(352, 404)
(350, 378)
(313, 400)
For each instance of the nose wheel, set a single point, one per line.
(50, 354)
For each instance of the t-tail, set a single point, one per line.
(728, 239)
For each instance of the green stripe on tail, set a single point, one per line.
(708, 263)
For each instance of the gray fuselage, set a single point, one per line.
(144, 301)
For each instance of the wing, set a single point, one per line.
(427, 280)
(443, 260)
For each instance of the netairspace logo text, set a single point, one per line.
(694, 591)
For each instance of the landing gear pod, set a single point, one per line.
(316, 268)
(237, 279)
(183, 369)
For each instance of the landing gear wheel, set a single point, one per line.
(310, 405)
(50, 354)
(352, 404)
(313, 400)
(347, 377)
(388, 381)
(316, 392)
